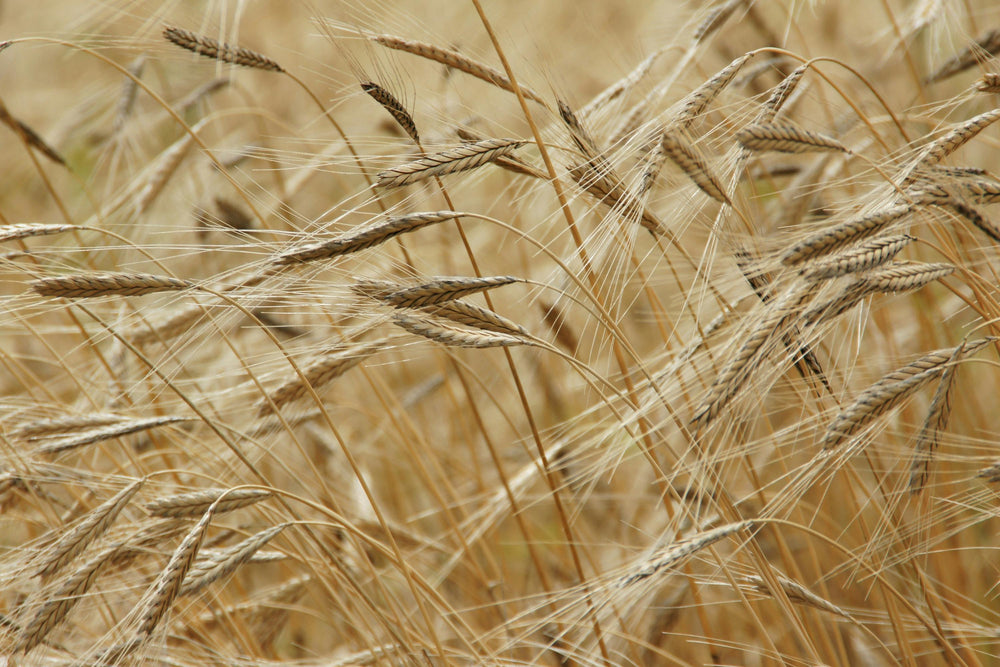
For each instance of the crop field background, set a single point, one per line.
(468, 332)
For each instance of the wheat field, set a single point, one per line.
(499, 333)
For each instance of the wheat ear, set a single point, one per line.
(444, 289)
(26, 230)
(211, 48)
(29, 136)
(197, 503)
(208, 570)
(786, 139)
(673, 554)
(364, 238)
(695, 103)
(985, 45)
(863, 257)
(394, 107)
(950, 142)
(477, 317)
(460, 158)
(456, 61)
(87, 285)
(685, 156)
(106, 433)
(844, 233)
(452, 336)
(72, 542)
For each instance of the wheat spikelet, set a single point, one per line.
(985, 45)
(990, 83)
(320, 372)
(73, 541)
(456, 61)
(29, 136)
(673, 554)
(26, 230)
(460, 158)
(947, 144)
(786, 139)
(113, 431)
(62, 598)
(891, 389)
(453, 336)
(445, 289)
(87, 285)
(477, 317)
(394, 107)
(862, 257)
(364, 238)
(205, 571)
(695, 103)
(692, 164)
(211, 48)
(167, 586)
(197, 503)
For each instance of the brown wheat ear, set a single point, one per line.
(211, 48)
(394, 107)
(87, 285)
(460, 158)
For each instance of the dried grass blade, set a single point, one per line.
(460, 158)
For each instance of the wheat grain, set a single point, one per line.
(211, 48)
(990, 83)
(786, 139)
(460, 158)
(88, 285)
(197, 503)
